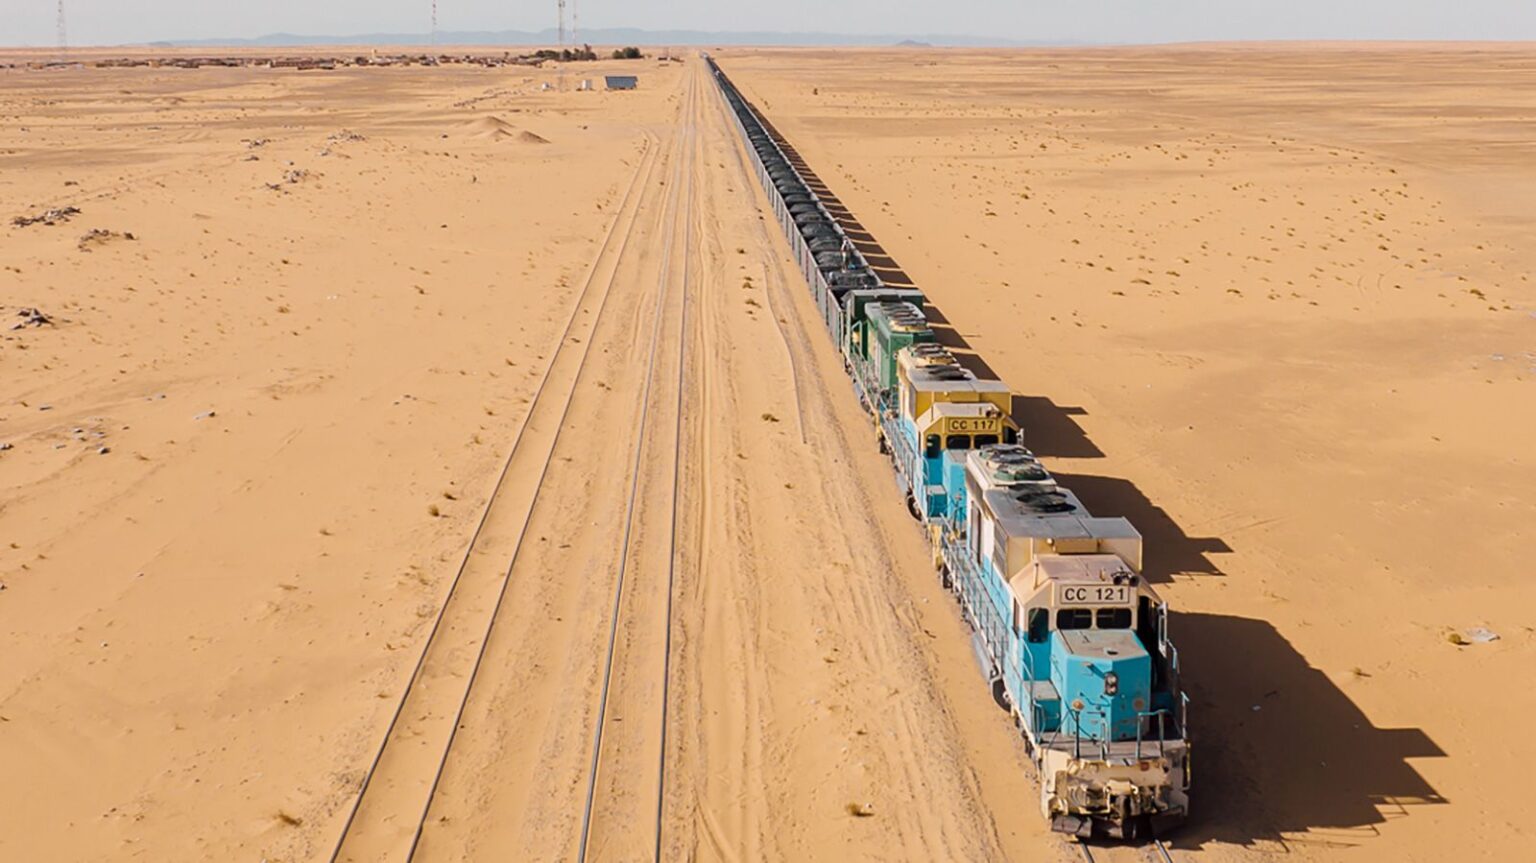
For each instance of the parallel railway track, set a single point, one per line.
(388, 814)
(681, 208)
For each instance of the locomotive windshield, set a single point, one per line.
(1088, 618)
(1114, 618)
(1074, 618)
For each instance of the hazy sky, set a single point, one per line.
(31, 22)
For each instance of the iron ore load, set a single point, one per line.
(1073, 639)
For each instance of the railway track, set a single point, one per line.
(681, 209)
(388, 813)
(1154, 850)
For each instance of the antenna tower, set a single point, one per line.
(63, 31)
(575, 23)
(561, 5)
(434, 22)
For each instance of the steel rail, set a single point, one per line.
(677, 474)
(668, 242)
(517, 551)
(1156, 848)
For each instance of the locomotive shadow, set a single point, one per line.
(1050, 430)
(1169, 550)
(1282, 755)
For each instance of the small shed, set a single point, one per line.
(621, 82)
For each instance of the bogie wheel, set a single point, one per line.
(1000, 695)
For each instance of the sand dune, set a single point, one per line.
(495, 129)
(489, 128)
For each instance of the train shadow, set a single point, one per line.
(1169, 550)
(1282, 754)
(875, 254)
(1050, 430)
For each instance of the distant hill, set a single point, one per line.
(610, 36)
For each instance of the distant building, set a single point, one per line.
(621, 82)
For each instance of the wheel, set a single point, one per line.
(1000, 695)
(912, 508)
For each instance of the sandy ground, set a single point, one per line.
(1307, 382)
(259, 453)
(304, 392)
(1274, 304)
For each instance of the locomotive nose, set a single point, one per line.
(1106, 677)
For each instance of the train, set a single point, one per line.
(1070, 635)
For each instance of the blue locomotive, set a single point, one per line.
(1076, 643)
(1073, 639)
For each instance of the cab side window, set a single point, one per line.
(1039, 625)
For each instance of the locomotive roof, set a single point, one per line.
(899, 316)
(1007, 465)
(1019, 519)
(1071, 569)
(1077, 569)
(950, 379)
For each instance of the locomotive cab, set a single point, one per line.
(1110, 747)
(858, 335)
(893, 326)
(944, 412)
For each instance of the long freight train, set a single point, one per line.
(1073, 638)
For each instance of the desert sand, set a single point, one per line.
(1275, 304)
(256, 469)
(416, 364)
